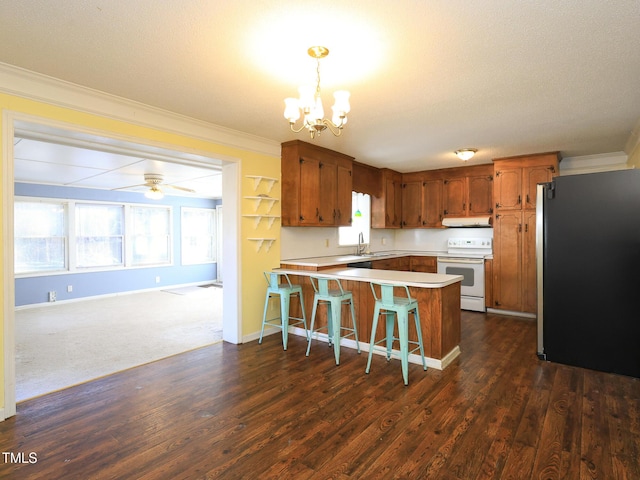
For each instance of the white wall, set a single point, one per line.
(304, 242)
(603, 162)
(435, 239)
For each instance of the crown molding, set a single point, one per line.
(42, 88)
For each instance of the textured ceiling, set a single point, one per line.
(426, 77)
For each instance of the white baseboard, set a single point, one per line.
(438, 364)
(512, 313)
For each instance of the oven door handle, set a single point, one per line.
(460, 260)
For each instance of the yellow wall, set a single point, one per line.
(252, 263)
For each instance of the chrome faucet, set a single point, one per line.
(361, 245)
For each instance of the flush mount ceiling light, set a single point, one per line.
(310, 104)
(465, 154)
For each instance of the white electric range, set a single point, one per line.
(465, 256)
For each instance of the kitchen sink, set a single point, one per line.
(376, 254)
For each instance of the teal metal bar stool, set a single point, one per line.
(334, 299)
(285, 290)
(392, 307)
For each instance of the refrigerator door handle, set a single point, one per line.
(540, 266)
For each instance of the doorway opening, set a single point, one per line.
(159, 156)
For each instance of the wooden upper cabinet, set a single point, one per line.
(316, 186)
(432, 202)
(344, 198)
(309, 212)
(468, 191)
(508, 188)
(480, 188)
(532, 176)
(517, 178)
(386, 210)
(454, 197)
(412, 201)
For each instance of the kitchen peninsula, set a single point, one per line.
(438, 298)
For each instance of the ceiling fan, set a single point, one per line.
(154, 182)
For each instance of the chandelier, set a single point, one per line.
(310, 104)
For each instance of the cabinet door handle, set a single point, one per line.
(519, 199)
(526, 228)
(497, 206)
(464, 207)
(519, 227)
(527, 198)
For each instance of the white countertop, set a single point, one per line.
(344, 259)
(412, 279)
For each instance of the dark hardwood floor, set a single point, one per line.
(255, 411)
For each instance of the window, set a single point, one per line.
(198, 235)
(99, 235)
(69, 235)
(151, 235)
(361, 216)
(40, 236)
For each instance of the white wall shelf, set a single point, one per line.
(257, 179)
(267, 242)
(257, 217)
(270, 201)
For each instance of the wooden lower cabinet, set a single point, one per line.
(514, 265)
(529, 271)
(400, 263)
(507, 263)
(424, 264)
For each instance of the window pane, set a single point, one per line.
(39, 219)
(198, 235)
(99, 235)
(99, 251)
(39, 254)
(40, 236)
(360, 220)
(151, 235)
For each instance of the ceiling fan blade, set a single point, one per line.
(132, 186)
(180, 188)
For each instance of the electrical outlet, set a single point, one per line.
(384, 241)
(52, 296)
(157, 279)
(69, 288)
(326, 242)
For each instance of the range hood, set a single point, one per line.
(467, 221)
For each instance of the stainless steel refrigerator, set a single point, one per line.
(588, 264)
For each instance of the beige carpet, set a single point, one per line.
(61, 345)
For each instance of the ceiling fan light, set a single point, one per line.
(154, 193)
(465, 154)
